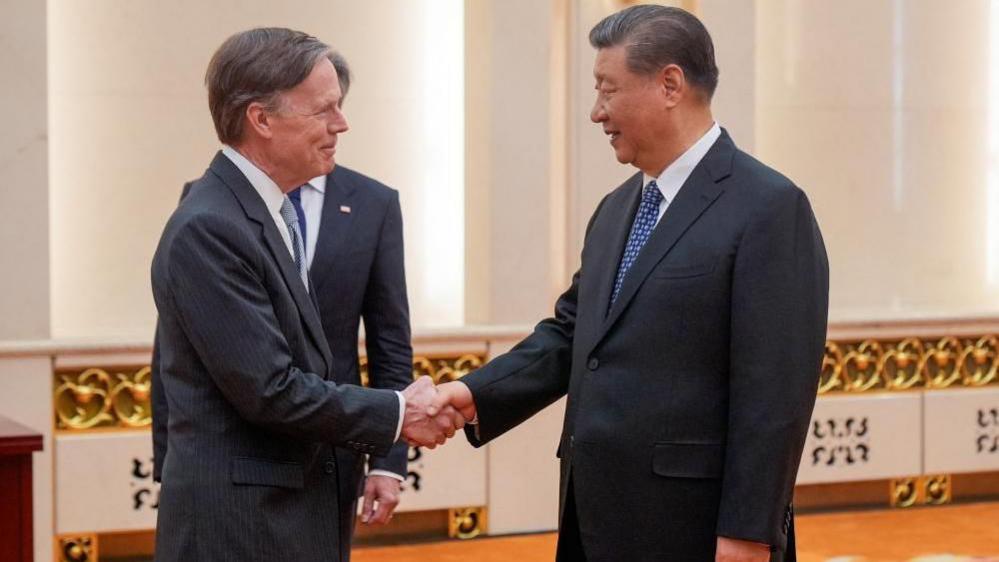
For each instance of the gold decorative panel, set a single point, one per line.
(872, 365)
(466, 522)
(76, 548)
(922, 490)
(442, 368)
(904, 492)
(937, 489)
(94, 398)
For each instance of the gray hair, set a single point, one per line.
(342, 73)
(257, 66)
(657, 36)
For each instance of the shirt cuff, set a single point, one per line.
(379, 472)
(402, 414)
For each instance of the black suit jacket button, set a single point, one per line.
(329, 467)
(593, 364)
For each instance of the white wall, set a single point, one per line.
(879, 111)
(24, 194)
(129, 125)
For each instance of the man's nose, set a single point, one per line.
(597, 114)
(339, 123)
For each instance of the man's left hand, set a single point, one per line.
(381, 496)
(734, 550)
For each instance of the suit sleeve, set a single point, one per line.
(160, 412)
(780, 297)
(385, 311)
(535, 373)
(224, 307)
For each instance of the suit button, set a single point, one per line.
(593, 364)
(329, 467)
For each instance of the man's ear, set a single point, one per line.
(258, 119)
(673, 83)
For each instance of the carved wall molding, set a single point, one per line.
(94, 398)
(911, 363)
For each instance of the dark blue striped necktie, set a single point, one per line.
(296, 201)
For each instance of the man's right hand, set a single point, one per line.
(456, 395)
(419, 427)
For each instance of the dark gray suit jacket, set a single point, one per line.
(689, 399)
(358, 272)
(246, 372)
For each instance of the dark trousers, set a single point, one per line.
(570, 543)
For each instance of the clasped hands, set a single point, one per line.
(435, 413)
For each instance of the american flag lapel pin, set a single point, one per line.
(345, 209)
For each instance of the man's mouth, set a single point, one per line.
(613, 135)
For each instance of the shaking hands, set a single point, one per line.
(435, 413)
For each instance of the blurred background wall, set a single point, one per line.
(885, 113)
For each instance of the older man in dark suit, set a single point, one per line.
(352, 229)
(689, 342)
(255, 415)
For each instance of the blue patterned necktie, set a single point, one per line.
(296, 199)
(291, 221)
(641, 229)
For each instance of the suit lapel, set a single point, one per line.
(335, 225)
(619, 221)
(697, 194)
(256, 211)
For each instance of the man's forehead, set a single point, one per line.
(608, 60)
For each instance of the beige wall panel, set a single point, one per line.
(732, 29)
(26, 397)
(513, 253)
(872, 437)
(878, 111)
(524, 472)
(24, 185)
(961, 428)
(104, 482)
(130, 125)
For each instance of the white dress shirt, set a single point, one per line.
(671, 179)
(313, 195)
(312, 204)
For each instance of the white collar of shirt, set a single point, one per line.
(317, 183)
(673, 177)
(268, 190)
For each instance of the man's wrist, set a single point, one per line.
(390, 474)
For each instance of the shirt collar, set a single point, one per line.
(673, 177)
(318, 183)
(269, 191)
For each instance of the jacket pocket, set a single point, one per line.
(682, 271)
(264, 472)
(688, 460)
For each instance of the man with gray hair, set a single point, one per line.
(690, 340)
(252, 413)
